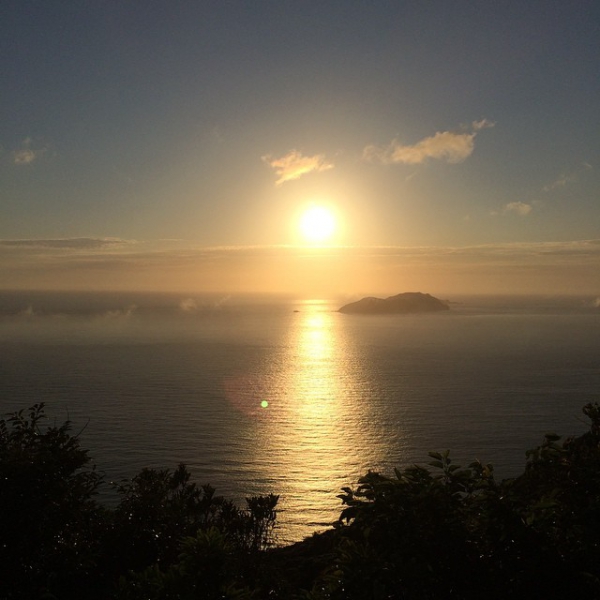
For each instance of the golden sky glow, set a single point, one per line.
(96, 264)
(138, 142)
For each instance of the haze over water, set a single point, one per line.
(292, 397)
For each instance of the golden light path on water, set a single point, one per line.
(318, 432)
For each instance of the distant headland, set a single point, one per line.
(409, 302)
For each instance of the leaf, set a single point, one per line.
(436, 463)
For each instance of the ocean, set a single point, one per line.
(259, 395)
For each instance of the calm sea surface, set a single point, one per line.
(162, 379)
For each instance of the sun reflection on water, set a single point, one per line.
(316, 380)
(312, 435)
(313, 432)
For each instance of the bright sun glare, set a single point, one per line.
(317, 224)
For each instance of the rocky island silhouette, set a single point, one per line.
(408, 302)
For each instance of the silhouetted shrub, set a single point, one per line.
(428, 532)
(57, 541)
(163, 519)
(447, 532)
(48, 520)
(208, 569)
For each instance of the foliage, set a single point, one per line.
(47, 518)
(447, 532)
(207, 569)
(427, 532)
(156, 510)
(57, 541)
(406, 534)
(199, 545)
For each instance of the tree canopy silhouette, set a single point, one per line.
(433, 531)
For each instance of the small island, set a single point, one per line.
(409, 302)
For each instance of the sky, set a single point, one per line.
(174, 146)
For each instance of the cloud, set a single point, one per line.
(567, 178)
(70, 243)
(293, 165)
(188, 270)
(444, 145)
(28, 152)
(521, 208)
(188, 305)
(121, 313)
(483, 124)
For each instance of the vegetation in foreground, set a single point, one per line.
(439, 531)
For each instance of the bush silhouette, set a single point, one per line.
(49, 522)
(427, 532)
(447, 532)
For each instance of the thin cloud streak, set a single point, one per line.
(176, 266)
(294, 165)
(482, 124)
(179, 249)
(152, 254)
(70, 243)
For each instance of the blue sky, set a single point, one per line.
(174, 145)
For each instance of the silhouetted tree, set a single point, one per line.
(428, 532)
(48, 520)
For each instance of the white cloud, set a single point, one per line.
(444, 145)
(293, 165)
(24, 156)
(521, 208)
(28, 152)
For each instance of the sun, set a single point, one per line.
(317, 224)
